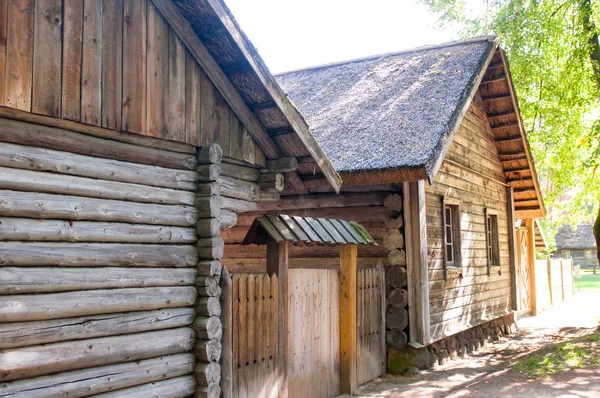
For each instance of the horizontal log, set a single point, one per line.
(208, 328)
(208, 306)
(21, 308)
(96, 254)
(208, 373)
(21, 334)
(362, 214)
(47, 280)
(36, 135)
(212, 391)
(393, 202)
(39, 360)
(317, 201)
(228, 219)
(397, 257)
(396, 318)
(396, 276)
(26, 229)
(210, 154)
(178, 387)
(274, 182)
(393, 239)
(40, 205)
(208, 227)
(208, 189)
(209, 172)
(209, 268)
(394, 222)
(253, 251)
(33, 181)
(396, 339)
(281, 165)
(96, 380)
(208, 350)
(397, 298)
(239, 189)
(41, 159)
(208, 206)
(245, 173)
(238, 205)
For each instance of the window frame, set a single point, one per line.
(588, 254)
(492, 238)
(453, 207)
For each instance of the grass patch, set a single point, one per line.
(588, 283)
(580, 352)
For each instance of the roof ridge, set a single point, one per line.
(393, 53)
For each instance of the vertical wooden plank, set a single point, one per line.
(324, 336)
(334, 283)
(223, 123)
(19, 54)
(235, 337)
(512, 246)
(243, 337)
(193, 98)
(210, 122)
(275, 334)
(277, 263)
(259, 157)
(3, 25)
(266, 320)
(71, 59)
(251, 376)
(236, 136)
(157, 70)
(112, 63)
(227, 362)
(248, 147)
(359, 301)
(47, 50)
(259, 337)
(134, 66)
(91, 64)
(176, 105)
(531, 260)
(381, 314)
(348, 318)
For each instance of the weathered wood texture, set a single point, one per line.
(370, 348)
(472, 176)
(254, 335)
(116, 65)
(100, 280)
(314, 334)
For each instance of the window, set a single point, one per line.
(566, 254)
(491, 238)
(451, 234)
(588, 254)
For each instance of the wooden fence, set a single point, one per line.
(554, 282)
(370, 351)
(254, 335)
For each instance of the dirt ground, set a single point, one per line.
(490, 372)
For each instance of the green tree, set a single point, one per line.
(554, 55)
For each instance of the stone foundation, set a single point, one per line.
(451, 347)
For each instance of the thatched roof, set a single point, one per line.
(390, 111)
(580, 238)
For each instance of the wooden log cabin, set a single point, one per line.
(140, 140)
(444, 122)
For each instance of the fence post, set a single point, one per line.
(348, 337)
(227, 345)
(549, 265)
(277, 263)
(531, 260)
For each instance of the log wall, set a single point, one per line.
(100, 285)
(114, 64)
(472, 175)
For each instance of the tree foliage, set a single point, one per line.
(554, 55)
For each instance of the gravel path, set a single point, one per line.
(489, 373)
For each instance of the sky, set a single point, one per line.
(295, 34)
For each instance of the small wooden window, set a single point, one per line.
(491, 238)
(566, 254)
(588, 254)
(450, 235)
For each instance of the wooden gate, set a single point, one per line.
(523, 271)
(314, 335)
(370, 350)
(254, 335)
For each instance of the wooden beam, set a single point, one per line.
(524, 190)
(494, 79)
(512, 247)
(523, 214)
(512, 158)
(529, 223)
(505, 125)
(518, 169)
(283, 131)
(501, 114)
(348, 337)
(416, 260)
(287, 108)
(277, 263)
(510, 138)
(509, 180)
(201, 54)
(496, 65)
(516, 201)
(495, 97)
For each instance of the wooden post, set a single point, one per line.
(348, 338)
(277, 263)
(529, 223)
(512, 247)
(227, 347)
(416, 261)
